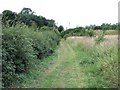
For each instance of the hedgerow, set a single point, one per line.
(22, 45)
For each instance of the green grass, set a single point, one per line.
(100, 65)
(36, 72)
(65, 72)
(61, 70)
(75, 66)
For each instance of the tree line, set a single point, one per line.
(103, 26)
(27, 17)
(89, 30)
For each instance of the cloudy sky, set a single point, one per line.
(69, 13)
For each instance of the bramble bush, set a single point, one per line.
(20, 46)
(17, 52)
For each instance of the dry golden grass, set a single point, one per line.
(108, 32)
(109, 40)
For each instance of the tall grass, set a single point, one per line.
(100, 63)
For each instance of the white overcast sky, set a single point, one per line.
(77, 12)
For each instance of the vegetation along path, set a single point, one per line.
(76, 65)
(63, 71)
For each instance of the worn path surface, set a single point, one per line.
(64, 72)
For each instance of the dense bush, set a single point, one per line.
(44, 42)
(17, 52)
(22, 45)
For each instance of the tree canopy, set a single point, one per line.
(27, 17)
(60, 28)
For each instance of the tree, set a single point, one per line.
(51, 23)
(97, 28)
(27, 17)
(26, 11)
(60, 28)
(8, 18)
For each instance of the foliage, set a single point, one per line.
(8, 18)
(27, 17)
(104, 26)
(26, 37)
(100, 64)
(100, 37)
(26, 11)
(90, 30)
(44, 42)
(17, 53)
(22, 45)
(60, 28)
(79, 31)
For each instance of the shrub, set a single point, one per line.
(90, 33)
(17, 52)
(22, 45)
(100, 38)
(44, 42)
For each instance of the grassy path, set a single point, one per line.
(74, 65)
(62, 71)
(65, 71)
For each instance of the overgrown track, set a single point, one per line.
(65, 71)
